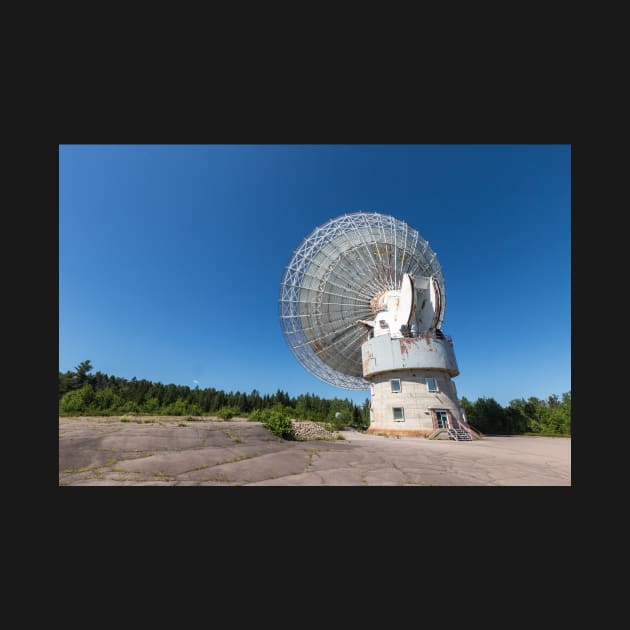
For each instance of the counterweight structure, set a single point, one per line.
(362, 302)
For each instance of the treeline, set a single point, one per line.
(545, 417)
(82, 393)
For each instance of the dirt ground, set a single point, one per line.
(160, 452)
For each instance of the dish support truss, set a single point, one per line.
(333, 280)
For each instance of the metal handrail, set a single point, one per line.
(469, 428)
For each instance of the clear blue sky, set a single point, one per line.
(170, 257)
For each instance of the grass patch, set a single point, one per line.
(182, 424)
(235, 459)
(340, 437)
(200, 467)
(235, 438)
(164, 476)
(90, 468)
(131, 419)
(563, 435)
(121, 470)
(329, 426)
(227, 413)
(311, 453)
(193, 419)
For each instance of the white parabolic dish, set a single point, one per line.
(335, 278)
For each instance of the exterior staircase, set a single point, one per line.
(459, 435)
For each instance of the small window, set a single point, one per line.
(431, 384)
(395, 383)
(399, 414)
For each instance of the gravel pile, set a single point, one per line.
(310, 431)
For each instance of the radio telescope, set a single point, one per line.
(362, 302)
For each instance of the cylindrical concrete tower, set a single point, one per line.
(412, 392)
(362, 302)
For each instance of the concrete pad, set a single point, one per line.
(305, 479)
(175, 464)
(247, 450)
(104, 451)
(79, 456)
(109, 482)
(385, 477)
(270, 466)
(342, 477)
(327, 460)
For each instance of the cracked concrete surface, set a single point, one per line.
(108, 452)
